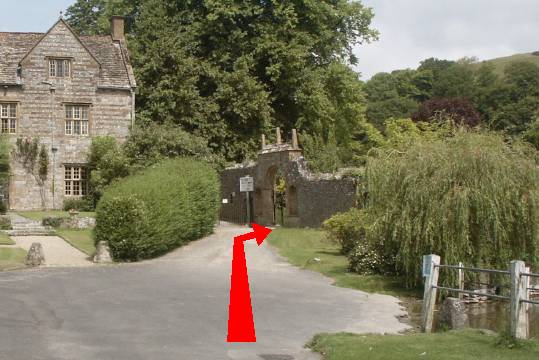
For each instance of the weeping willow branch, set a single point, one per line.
(470, 198)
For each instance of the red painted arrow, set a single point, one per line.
(241, 326)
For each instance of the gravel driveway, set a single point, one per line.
(175, 307)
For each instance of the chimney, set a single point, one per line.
(117, 26)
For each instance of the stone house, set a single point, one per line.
(62, 89)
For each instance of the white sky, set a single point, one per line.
(411, 30)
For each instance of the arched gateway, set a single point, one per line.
(285, 192)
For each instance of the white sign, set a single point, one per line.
(247, 184)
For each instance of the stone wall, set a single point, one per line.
(311, 198)
(41, 114)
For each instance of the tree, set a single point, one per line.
(229, 71)
(92, 17)
(460, 110)
(84, 16)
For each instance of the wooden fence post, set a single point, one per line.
(430, 271)
(461, 280)
(519, 316)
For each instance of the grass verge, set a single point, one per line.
(81, 239)
(5, 239)
(12, 258)
(311, 249)
(451, 345)
(39, 215)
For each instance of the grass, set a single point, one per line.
(451, 345)
(12, 258)
(39, 215)
(81, 239)
(303, 246)
(502, 62)
(5, 240)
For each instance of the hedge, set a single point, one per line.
(158, 209)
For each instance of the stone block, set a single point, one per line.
(102, 253)
(35, 256)
(453, 314)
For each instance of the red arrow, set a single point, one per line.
(241, 326)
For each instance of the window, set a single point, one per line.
(76, 180)
(8, 116)
(59, 68)
(77, 119)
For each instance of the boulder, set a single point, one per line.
(35, 256)
(102, 253)
(453, 314)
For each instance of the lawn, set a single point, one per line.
(5, 240)
(81, 239)
(39, 215)
(310, 249)
(451, 345)
(12, 258)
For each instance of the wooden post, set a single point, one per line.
(461, 280)
(519, 318)
(429, 296)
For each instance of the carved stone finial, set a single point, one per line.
(263, 141)
(279, 140)
(295, 143)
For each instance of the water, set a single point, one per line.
(490, 315)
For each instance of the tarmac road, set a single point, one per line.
(176, 307)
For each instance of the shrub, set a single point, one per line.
(84, 204)
(346, 228)
(158, 209)
(5, 223)
(52, 221)
(367, 259)
(471, 198)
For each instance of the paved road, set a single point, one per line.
(175, 307)
(57, 251)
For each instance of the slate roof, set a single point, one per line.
(116, 70)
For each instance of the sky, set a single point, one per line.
(414, 30)
(410, 30)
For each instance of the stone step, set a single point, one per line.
(37, 232)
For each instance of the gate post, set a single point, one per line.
(519, 316)
(431, 272)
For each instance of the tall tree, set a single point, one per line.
(230, 70)
(84, 16)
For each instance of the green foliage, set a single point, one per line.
(158, 209)
(470, 197)
(34, 158)
(85, 204)
(52, 221)
(346, 229)
(83, 16)
(147, 145)
(230, 71)
(323, 156)
(106, 162)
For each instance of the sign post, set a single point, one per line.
(246, 186)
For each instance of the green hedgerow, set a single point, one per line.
(158, 209)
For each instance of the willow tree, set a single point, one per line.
(471, 197)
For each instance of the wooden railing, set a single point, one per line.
(519, 297)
